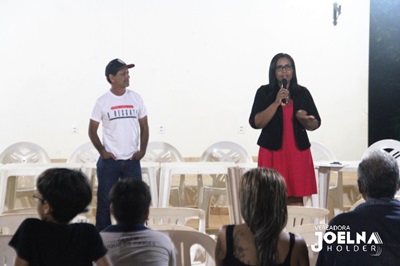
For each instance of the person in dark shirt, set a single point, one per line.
(285, 111)
(52, 240)
(368, 235)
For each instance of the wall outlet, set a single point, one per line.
(161, 129)
(75, 129)
(241, 129)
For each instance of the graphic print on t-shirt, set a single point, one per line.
(122, 111)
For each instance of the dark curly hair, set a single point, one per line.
(67, 191)
(130, 199)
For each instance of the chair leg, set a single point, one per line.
(336, 194)
(307, 201)
(339, 194)
(178, 192)
(182, 191)
(204, 203)
(11, 192)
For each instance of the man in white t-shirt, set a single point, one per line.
(130, 242)
(125, 135)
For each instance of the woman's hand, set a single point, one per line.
(282, 94)
(307, 121)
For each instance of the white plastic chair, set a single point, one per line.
(22, 186)
(163, 152)
(322, 153)
(177, 216)
(31, 210)
(85, 154)
(185, 239)
(24, 152)
(388, 145)
(164, 227)
(7, 253)
(223, 151)
(355, 204)
(299, 215)
(307, 231)
(9, 223)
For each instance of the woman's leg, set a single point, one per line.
(295, 201)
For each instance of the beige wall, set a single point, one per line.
(199, 64)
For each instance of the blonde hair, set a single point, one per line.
(263, 206)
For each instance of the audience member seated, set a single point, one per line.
(61, 195)
(130, 242)
(376, 221)
(261, 240)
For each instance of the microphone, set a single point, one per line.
(284, 84)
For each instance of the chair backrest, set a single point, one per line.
(28, 210)
(85, 153)
(223, 151)
(7, 253)
(183, 241)
(24, 152)
(321, 153)
(355, 204)
(177, 216)
(299, 215)
(164, 227)
(307, 231)
(9, 223)
(161, 152)
(388, 145)
(226, 151)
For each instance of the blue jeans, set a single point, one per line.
(109, 171)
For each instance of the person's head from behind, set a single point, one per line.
(62, 193)
(263, 198)
(282, 66)
(130, 201)
(378, 176)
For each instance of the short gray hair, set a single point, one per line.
(378, 175)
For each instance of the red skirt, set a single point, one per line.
(294, 165)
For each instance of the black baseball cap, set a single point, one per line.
(115, 65)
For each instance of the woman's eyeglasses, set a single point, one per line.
(285, 67)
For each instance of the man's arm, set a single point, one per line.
(20, 262)
(144, 139)
(94, 138)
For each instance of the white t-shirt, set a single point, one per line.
(120, 119)
(146, 247)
